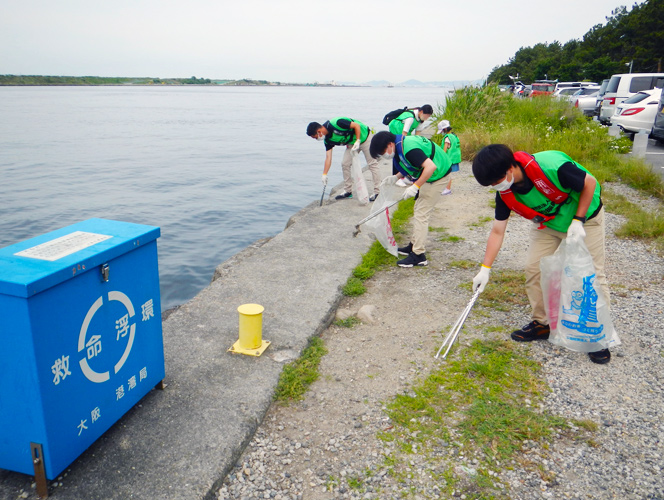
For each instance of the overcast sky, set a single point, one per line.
(284, 40)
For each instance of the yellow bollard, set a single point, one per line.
(250, 340)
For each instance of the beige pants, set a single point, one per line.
(544, 242)
(372, 163)
(426, 201)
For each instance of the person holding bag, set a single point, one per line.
(563, 200)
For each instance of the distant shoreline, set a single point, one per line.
(95, 81)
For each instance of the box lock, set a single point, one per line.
(104, 273)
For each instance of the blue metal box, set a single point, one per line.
(80, 336)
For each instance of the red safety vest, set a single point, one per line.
(542, 184)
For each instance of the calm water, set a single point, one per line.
(215, 167)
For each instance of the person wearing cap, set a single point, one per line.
(407, 123)
(426, 164)
(452, 147)
(356, 136)
(563, 199)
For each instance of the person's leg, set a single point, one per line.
(543, 242)
(345, 168)
(372, 164)
(426, 202)
(595, 242)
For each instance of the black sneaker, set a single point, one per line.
(405, 250)
(600, 357)
(413, 259)
(343, 196)
(373, 197)
(532, 331)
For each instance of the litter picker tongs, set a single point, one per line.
(454, 332)
(371, 216)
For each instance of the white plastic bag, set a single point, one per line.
(381, 225)
(578, 314)
(359, 184)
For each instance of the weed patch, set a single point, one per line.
(297, 376)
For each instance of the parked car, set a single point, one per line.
(564, 85)
(623, 86)
(658, 126)
(543, 87)
(600, 96)
(565, 93)
(586, 103)
(638, 112)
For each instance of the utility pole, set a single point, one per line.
(630, 65)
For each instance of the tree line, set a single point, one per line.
(97, 80)
(630, 40)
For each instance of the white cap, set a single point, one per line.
(442, 125)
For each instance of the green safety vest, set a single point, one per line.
(343, 136)
(396, 125)
(550, 162)
(437, 155)
(455, 149)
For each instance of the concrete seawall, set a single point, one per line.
(180, 443)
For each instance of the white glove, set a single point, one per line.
(575, 230)
(390, 180)
(410, 192)
(324, 179)
(481, 279)
(356, 147)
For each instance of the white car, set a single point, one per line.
(565, 93)
(638, 112)
(586, 103)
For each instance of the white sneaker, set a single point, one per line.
(446, 191)
(403, 182)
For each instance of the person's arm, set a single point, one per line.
(355, 127)
(493, 245)
(406, 125)
(586, 197)
(494, 242)
(428, 168)
(328, 161)
(447, 144)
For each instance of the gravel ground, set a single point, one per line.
(326, 445)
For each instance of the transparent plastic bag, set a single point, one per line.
(578, 314)
(381, 225)
(359, 183)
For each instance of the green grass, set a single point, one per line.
(349, 322)
(297, 376)
(483, 403)
(640, 224)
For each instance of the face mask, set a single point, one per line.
(504, 185)
(387, 156)
(320, 138)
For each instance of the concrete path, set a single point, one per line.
(179, 443)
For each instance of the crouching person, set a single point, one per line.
(562, 198)
(425, 164)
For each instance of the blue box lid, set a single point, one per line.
(34, 265)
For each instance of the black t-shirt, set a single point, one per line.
(569, 175)
(342, 124)
(416, 157)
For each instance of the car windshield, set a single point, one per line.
(636, 98)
